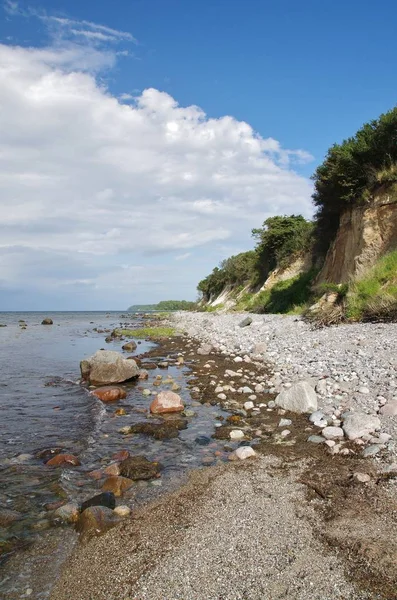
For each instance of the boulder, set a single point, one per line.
(299, 398)
(95, 521)
(63, 460)
(355, 425)
(105, 499)
(245, 322)
(68, 513)
(245, 452)
(139, 468)
(163, 430)
(117, 485)
(389, 409)
(129, 346)
(106, 367)
(166, 402)
(332, 433)
(109, 393)
(47, 321)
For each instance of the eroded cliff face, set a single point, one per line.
(365, 233)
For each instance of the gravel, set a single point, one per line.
(352, 366)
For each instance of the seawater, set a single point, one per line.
(43, 405)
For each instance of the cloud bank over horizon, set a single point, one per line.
(108, 201)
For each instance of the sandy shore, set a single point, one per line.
(291, 523)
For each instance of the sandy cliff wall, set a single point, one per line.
(365, 233)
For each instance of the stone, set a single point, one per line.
(238, 359)
(109, 393)
(121, 455)
(120, 412)
(122, 511)
(355, 425)
(299, 398)
(166, 402)
(285, 433)
(204, 349)
(285, 423)
(163, 364)
(331, 433)
(236, 434)
(143, 375)
(163, 430)
(63, 460)
(245, 322)
(321, 387)
(8, 516)
(95, 521)
(245, 452)
(68, 513)
(389, 409)
(202, 440)
(117, 485)
(316, 439)
(362, 477)
(372, 450)
(246, 390)
(105, 499)
(139, 468)
(106, 367)
(113, 469)
(330, 443)
(363, 390)
(260, 348)
(146, 392)
(47, 321)
(129, 346)
(248, 405)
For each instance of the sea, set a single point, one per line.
(44, 406)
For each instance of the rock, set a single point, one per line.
(363, 390)
(163, 364)
(389, 409)
(331, 433)
(163, 430)
(204, 349)
(362, 477)
(285, 433)
(316, 439)
(166, 402)
(139, 468)
(246, 390)
(113, 469)
(321, 387)
(285, 423)
(68, 513)
(63, 460)
(248, 405)
(122, 511)
(120, 412)
(47, 321)
(8, 516)
(330, 443)
(109, 393)
(95, 521)
(143, 375)
(149, 366)
(105, 499)
(105, 367)
(355, 425)
(238, 359)
(146, 392)
(129, 346)
(202, 440)
(245, 452)
(117, 485)
(372, 450)
(299, 398)
(236, 434)
(121, 455)
(245, 322)
(260, 348)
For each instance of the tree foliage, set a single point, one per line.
(236, 270)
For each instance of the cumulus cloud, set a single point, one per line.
(90, 185)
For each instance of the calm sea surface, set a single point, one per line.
(43, 406)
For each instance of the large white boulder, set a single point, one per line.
(355, 425)
(299, 398)
(106, 366)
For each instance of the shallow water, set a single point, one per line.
(42, 405)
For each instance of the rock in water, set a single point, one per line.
(63, 459)
(68, 513)
(299, 398)
(166, 402)
(106, 366)
(47, 321)
(109, 393)
(95, 521)
(129, 346)
(245, 322)
(106, 499)
(355, 425)
(117, 485)
(138, 467)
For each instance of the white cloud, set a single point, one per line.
(89, 184)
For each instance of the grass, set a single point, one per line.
(146, 332)
(374, 296)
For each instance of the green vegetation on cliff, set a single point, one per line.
(164, 305)
(352, 173)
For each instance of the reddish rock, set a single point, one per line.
(120, 412)
(143, 374)
(166, 402)
(113, 469)
(95, 475)
(95, 521)
(121, 455)
(109, 393)
(117, 485)
(63, 459)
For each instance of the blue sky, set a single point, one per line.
(143, 194)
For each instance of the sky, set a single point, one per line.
(142, 140)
